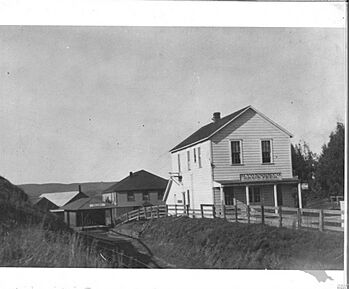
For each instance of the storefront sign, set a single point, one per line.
(97, 205)
(260, 177)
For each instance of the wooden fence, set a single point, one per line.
(323, 220)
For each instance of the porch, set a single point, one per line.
(286, 192)
(80, 219)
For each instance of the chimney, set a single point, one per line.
(216, 116)
(131, 174)
(79, 188)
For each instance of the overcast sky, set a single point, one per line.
(93, 103)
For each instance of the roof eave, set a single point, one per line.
(230, 121)
(207, 138)
(189, 145)
(271, 121)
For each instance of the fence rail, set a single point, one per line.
(323, 220)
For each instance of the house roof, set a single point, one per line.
(141, 180)
(60, 198)
(87, 204)
(43, 199)
(210, 129)
(36, 200)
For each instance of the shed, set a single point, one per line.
(88, 212)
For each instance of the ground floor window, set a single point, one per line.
(160, 195)
(146, 196)
(229, 196)
(279, 196)
(254, 195)
(130, 197)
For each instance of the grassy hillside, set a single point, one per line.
(16, 210)
(92, 188)
(30, 237)
(216, 243)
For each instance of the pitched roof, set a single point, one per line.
(208, 130)
(40, 200)
(141, 180)
(87, 204)
(60, 198)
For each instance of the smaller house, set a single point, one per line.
(54, 201)
(88, 212)
(62, 198)
(138, 189)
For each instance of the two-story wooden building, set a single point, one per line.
(138, 189)
(242, 158)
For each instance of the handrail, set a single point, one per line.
(280, 216)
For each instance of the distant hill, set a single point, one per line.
(91, 188)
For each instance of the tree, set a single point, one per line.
(329, 173)
(303, 161)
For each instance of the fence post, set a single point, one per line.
(139, 214)
(126, 216)
(188, 213)
(299, 218)
(236, 213)
(248, 214)
(280, 216)
(158, 211)
(145, 212)
(262, 213)
(321, 220)
(131, 261)
(223, 211)
(166, 210)
(176, 210)
(213, 211)
(202, 211)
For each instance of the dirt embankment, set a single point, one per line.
(30, 237)
(215, 243)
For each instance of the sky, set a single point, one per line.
(82, 104)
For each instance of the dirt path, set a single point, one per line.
(131, 250)
(140, 246)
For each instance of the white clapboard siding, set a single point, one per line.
(198, 180)
(250, 128)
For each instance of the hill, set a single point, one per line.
(216, 243)
(90, 188)
(16, 210)
(30, 237)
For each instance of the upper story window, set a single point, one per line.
(146, 196)
(188, 160)
(107, 198)
(130, 197)
(199, 157)
(179, 162)
(194, 152)
(236, 152)
(266, 151)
